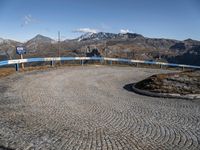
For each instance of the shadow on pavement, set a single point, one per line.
(128, 87)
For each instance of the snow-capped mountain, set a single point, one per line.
(84, 36)
(96, 36)
(107, 36)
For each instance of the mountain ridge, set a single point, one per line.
(128, 45)
(98, 36)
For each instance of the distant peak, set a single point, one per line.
(189, 40)
(130, 35)
(41, 39)
(96, 36)
(40, 36)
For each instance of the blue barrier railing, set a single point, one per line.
(53, 59)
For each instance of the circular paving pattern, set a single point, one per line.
(86, 108)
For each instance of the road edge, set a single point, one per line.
(165, 95)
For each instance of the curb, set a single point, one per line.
(165, 95)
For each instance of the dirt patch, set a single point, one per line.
(181, 83)
(6, 71)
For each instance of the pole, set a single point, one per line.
(17, 67)
(59, 45)
(22, 63)
(52, 63)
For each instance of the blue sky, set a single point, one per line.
(23, 19)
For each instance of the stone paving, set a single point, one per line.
(87, 108)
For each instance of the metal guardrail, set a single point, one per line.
(54, 59)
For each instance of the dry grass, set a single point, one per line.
(187, 82)
(35, 68)
(6, 71)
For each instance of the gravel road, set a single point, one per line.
(87, 108)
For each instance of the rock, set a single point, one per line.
(177, 83)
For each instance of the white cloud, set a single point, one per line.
(86, 30)
(124, 31)
(28, 19)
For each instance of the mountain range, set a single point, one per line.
(129, 45)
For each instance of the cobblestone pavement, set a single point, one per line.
(85, 108)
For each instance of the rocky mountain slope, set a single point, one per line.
(129, 45)
(7, 48)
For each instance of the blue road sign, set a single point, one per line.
(20, 50)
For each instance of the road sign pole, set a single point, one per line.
(22, 63)
(20, 50)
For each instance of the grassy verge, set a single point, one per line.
(187, 82)
(6, 71)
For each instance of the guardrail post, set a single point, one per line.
(52, 63)
(101, 61)
(17, 67)
(82, 62)
(183, 68)
(137, 64)
(161, 66)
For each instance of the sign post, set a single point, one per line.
(22, 63)
(20, 50)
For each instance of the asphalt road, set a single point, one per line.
(90, 107)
